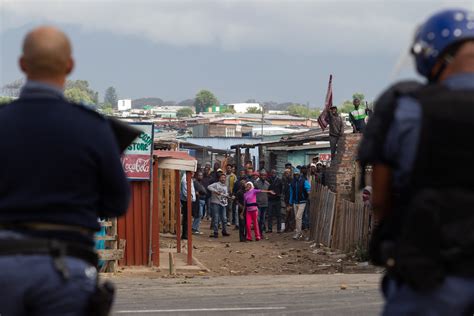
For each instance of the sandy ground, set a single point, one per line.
(276, 254)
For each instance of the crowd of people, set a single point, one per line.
(251, 200)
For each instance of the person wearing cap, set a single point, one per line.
(312, 174)
(424, 238)
(357, 117)
(219, 201)
(336, 129)
(299, 194)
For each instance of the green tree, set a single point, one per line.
(302, 111)
(346, 107)
(228, 109)
(77, 95)
(203, 100)
(185, 112)
(5, 100)
(79, 91)
(110, 97)
(107, 110)
(254, 110)
(359, 96)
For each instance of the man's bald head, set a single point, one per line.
(46, 55)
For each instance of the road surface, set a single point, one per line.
(249, 295)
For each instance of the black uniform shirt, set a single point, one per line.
(60, 162)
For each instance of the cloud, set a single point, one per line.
(323, 27)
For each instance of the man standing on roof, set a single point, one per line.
(424, 237)
(357, 117)
(336, 129)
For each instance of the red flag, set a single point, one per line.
(323, 117)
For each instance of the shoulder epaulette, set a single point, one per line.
(88, 109)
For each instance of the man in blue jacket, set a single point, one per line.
(299, 194)
(61, 171)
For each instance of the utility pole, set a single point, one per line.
(308, 116)
(263, 113)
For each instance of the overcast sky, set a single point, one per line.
(264, 50)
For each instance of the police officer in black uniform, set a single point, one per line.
(61, 170)
(425, 238)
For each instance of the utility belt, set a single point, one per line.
(420, 271)
(427, 238)
(100, 302)
(56, 249)
(40, 226)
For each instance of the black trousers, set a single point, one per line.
(242, 232)
(184, 219)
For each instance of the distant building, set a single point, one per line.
(281, 120)
(243, 107)
(221, 130)
(216, 108)
(124, 105)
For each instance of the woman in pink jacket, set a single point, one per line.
(251, 210)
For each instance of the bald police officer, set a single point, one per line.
(61, 171)
(425, 238)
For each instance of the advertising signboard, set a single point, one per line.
(137, 158)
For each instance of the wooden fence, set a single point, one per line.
(168, 199)
(322, 207)
(114, 248)
(351, 226)
(338, 223)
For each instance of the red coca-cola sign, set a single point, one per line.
(136, 160)
(324, 157)
(136, 166)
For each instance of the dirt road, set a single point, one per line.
(276, 254)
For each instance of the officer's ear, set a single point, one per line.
(70, 66)
(23, 65)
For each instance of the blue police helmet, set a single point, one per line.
(438, 33)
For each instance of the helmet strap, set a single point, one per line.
(445, 61)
